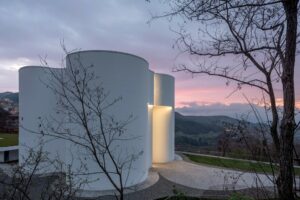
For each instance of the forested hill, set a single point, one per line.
(191, 130)
(13, 96)
(200, 130)
(201, 124)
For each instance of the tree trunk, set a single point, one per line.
(285, 179)
(287, 127)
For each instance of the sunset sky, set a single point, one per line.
(30, 29)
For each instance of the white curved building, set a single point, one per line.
(148, 96)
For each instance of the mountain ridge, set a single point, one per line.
(13, 96)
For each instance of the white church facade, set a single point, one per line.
(146, 95)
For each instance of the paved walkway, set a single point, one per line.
(200, 181)
(210, 178)
(189, 178)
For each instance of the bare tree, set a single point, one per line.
(225, 140)
(26, 182)
(261, 36)
(86, 106)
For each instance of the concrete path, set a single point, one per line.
(210, 178)
(188, 178)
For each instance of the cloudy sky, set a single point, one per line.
(33, 29)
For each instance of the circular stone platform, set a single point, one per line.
(153, 177)
(211, 178)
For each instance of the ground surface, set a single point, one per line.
(8, 139)
(188, 178)
(165, 188)
(210, 178)
(196, 180)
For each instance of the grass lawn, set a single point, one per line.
(234, 164)
(8, 139)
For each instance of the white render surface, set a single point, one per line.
(164, 90)
(9, 148)
(122, 75)
(125, 76)
(37, 103)
(163, 119)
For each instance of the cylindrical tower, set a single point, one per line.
(148, 97)
(126, 76)
(150, 117)
(163, 119)
(37, 109)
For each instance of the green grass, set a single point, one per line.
(235, 164)
(8, 139)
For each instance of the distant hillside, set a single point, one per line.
(10, 95)
(200, 130)
(204, 131)
(189, 130)
(195, 125)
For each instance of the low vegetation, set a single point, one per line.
(234, 196)
(242, 165)
(8, 139)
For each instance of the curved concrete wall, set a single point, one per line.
(163, 119)
(122, 75)
(150, 117)
(164, 91)
(149, 97)
(37, 102)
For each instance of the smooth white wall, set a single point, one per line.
(37, 102)
(164, 90)
(163, 119)
(127, 76)
(147, 96)
(150, 118)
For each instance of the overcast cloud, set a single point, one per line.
(30, 29)
(235, 110)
